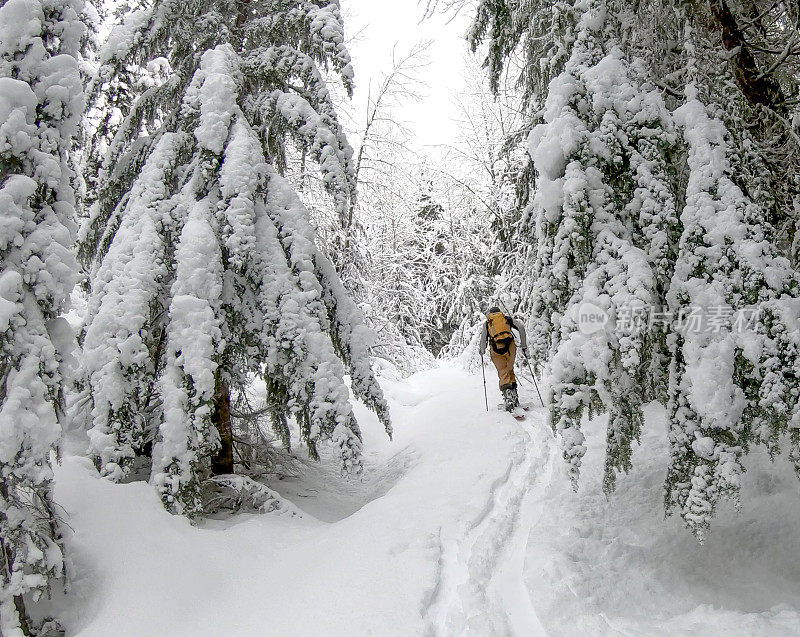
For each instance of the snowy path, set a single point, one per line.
(464, 525)
(480, 581)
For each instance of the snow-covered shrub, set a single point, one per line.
(240, 494)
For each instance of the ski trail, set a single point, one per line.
(480, 587)
(509, 580)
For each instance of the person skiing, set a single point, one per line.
(498, 334)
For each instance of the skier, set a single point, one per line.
(499, 336)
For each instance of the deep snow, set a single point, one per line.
(465, 524)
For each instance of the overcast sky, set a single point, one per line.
(382, 24)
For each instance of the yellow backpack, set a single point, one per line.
(500, 336)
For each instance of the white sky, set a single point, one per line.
(385, 23)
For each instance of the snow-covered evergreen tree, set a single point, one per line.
(428, 269)
(473, 284)
(41, 104)
(543, 30)
(599, 207)
(204, 270)
(734, 382)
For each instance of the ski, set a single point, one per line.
(518, 413)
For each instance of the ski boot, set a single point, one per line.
(510, 398)
(511, 402)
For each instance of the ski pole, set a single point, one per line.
(483, 373)
(533, 376)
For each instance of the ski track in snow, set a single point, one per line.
(480, 585)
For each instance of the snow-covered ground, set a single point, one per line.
(465, 524)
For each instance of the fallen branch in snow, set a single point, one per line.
(240, 494)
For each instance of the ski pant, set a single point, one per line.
(505, 366)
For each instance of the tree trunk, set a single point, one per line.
(23, 617)
(8, 558)
(222, 462)
(756, 87)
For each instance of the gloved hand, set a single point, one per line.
(525, 351)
